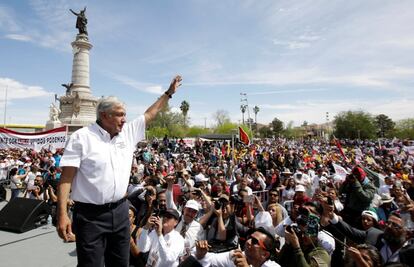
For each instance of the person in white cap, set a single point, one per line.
(369, 234)
(188, 227)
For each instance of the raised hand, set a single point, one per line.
(201, 249)
(175, 83)
(239, 258)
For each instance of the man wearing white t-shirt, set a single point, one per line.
(96, 167)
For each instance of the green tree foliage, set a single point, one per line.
(385, 125)
(226, 128)
(184, 109)
(293, 132)
(156, 132)
(166, 123)
(277, 126)
(354, 125)
(405, 129)
(195, 131)
(265, 132)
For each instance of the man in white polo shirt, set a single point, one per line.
(96, 167)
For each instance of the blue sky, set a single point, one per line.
(296, 60)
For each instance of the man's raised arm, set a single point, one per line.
(152, 111)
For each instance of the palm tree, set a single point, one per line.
(184, 109)
(243, 110)
(256, 110)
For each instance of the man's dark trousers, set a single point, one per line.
(102, 234)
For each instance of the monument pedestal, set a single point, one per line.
(53, 124)
(78, 106)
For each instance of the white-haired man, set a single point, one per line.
(96, 167)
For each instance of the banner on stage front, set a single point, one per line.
(51, 140)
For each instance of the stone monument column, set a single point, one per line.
(80, 67)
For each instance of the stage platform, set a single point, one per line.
(38, 247)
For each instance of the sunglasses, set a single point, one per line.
(257, 242)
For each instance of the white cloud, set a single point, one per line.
(18, 37)
(18, 90)
(282, 106)
(288, 91)
(156, 89)
(141, 86)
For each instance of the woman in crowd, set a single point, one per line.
(16, 182)
(289, 191)
(333, 194)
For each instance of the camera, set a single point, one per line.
(155, 208)
(218, 204)
(236, 199)
(294, 228)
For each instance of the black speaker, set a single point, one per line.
(22, 214)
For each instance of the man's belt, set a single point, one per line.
(106, 206)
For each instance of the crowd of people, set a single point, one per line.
(273, 203)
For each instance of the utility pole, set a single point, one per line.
(243, 99)
(328, 132)
(5, 107)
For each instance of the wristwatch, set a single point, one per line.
(169, 95)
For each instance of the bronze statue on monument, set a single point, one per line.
(68, 87)
(81, 21)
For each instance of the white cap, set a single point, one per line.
(192, 204)
(300, 188)
(200, 178)
(371, 214)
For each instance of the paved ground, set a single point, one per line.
(39, 247)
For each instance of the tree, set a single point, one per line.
(226, 128)
(184, 109)
(384, 124)
(354, 125)
(277, 126)
(221, 116)
(166, 122)
(265, 132)
(256, 110)
(243, 110)
(195, 131)
(405, 129)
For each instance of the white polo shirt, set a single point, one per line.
(104, 164)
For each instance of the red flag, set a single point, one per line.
(244, 138)
(338, 144)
